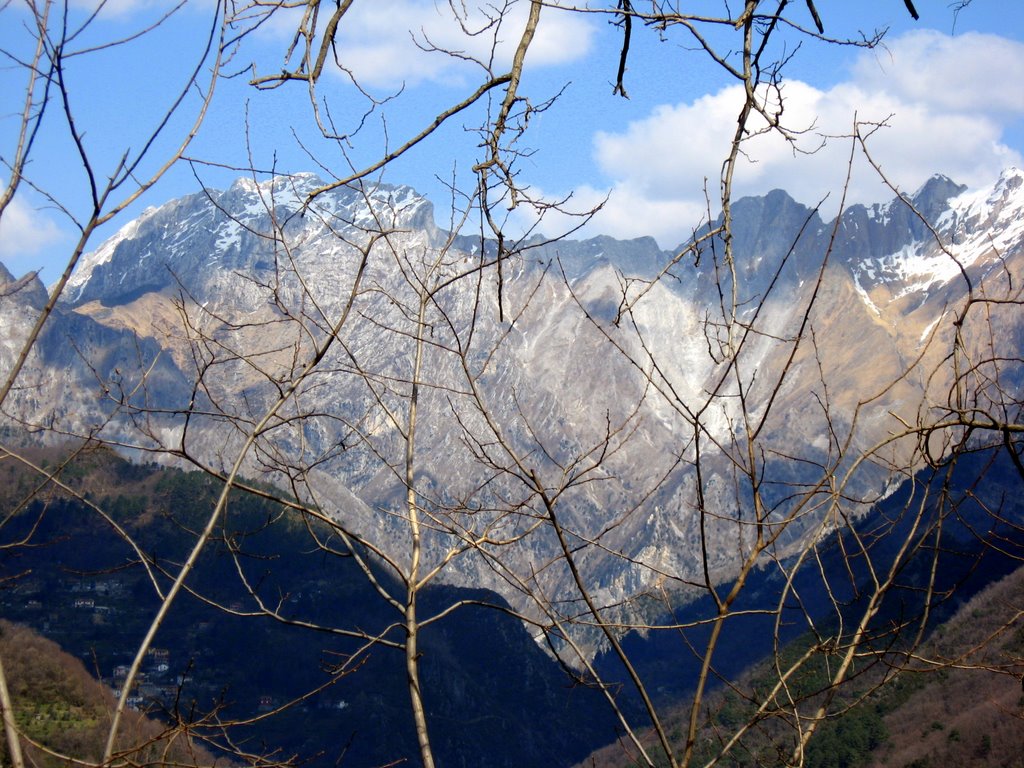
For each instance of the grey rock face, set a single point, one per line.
(27, 292)
(595, 382)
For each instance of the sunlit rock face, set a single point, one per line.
(603, 370)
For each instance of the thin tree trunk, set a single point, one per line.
(10, 728)
(412, 586)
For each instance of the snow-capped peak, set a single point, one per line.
(90, 261)
(992, 217)
(229, 228)
(982, 202)
(971, 226)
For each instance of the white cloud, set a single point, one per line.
(25, 232)
(384, 48)
(969, 72)
(944, 100)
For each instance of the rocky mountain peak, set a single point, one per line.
(964, 230)
(1004, 199)
(1011, 179)
(757, 220)
(934, 195)
(28, 291)
(234, 230)
(767, 231)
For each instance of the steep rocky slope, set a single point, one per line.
(182, 332)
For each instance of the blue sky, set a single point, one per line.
(950, 93)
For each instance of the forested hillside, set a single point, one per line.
(960, 702)
(953, 699)
(243, 646)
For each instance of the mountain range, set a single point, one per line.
(610, 371)
(597, 430)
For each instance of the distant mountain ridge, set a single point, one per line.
(257, 269)
(224, 230)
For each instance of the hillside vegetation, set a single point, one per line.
(239, 655)
(971, 712)
(959, 702)
(62, 710)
